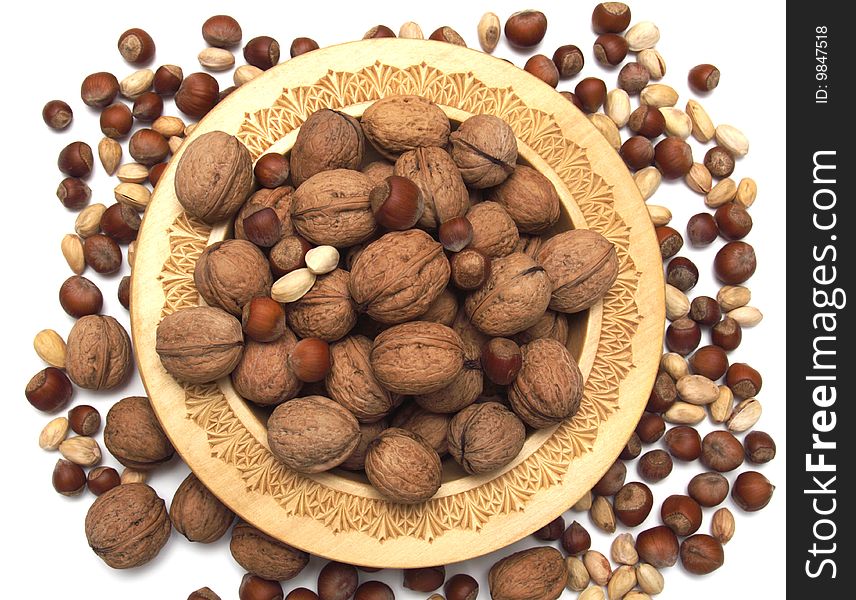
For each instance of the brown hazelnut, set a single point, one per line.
(682, 273)
(254, 587)
(222, 31)
(337, 581)
(448, 35)
(526, 28)
(701, 554)
(148, 107)
(576, 539)
(552, 531)
(759, 447)
(705, 310)
(263, 228)
(681, 514)
(543, 68)
(156, 171)
(288, 254)
(721, 451)
(461, 587)
(455, 234)
(719, 162)
(68, 478)
(710, 361)
(591, 91)
(733, 220)
(84, 420)
(610, 17)
(262, 52)
(655, 465)
(633, 503)
(374, 590)
(673, 157)
(79, 297)
(121, 222)
(727, 334)
(379, 31)
(501, 360)
(569, 60)
(302, 45)
(197, 94)
(102, 479)
(116, 120)
(612, 480)
(637, 152)
(735, 263)
(708, 489)
(136, 46)
(702, 229)
(148, 147)
(470, 269)
(300, 593)
(658, 547)
(99, 89)
(703, 78)
(610, 49)
(633, 78)
(102, 253)
(73, 193)
(743, 380)
(397, 203)
(632, 449)
(426, 579)
(648, 121)
(75, 160)
(683, 336)
(263, 319)
(49, 390)
(663, 394)
(168, 79)
(57, 114)
(271, 170)
(572, 98)
(650, 428)
(226, 92)
(124, 292)
(310, 359)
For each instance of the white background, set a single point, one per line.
(51, 46)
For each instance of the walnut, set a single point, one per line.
(312, 434)
(214, 177)
(484, 437)
(530, 199)
(417, 357)
(333, 208)
(513, 298)
(127, 526)
(351, 382)
(549, 386)
(397, 277)
(199, 344)
(263, 376)
(378, 171)
(443, 310)
(98, 353)
(582, 264)
(485, 150)
(432, 427)
(534, 574)
(529, 244)
(230, 273)
(133, 434)
(443, 189)
(356, 461)
(552, 325)
(264, 556)
(197, 514)
(403, 467)
(327, 310)
(400, 123)
(494, 231)
(327, 140)
(279, 199)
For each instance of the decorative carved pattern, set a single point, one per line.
(302, 496)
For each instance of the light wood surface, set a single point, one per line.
(618, 344)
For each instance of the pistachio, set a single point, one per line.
(110, 154)
(188, 131)
(658, 95)
(747, 316)
(678, 123)
(489, 31)
(133, 173)
(584, 503)
(72, 251)
(652, 60)
(623, 580)
(216, 59)
(578, 577)
(411, 31)
(697, 389)
(136, 84)
(169, 126)
(53, 434)
(703, 129)
(132, 252)
(699, 179)
(592, 593)
(722, 525)
(677, 303)
(733, 296)
(322, 259)
(617, 107)
(81, 450)
(642, 36)
(132, 194)
(130, 475)
(88, 222)
(648, 180)
(732, 139)
(623, 550)
(602, 514)
(684, 413)
(722, 193)
(598, 567)
(747, 189)
(50, 347)
(607, 129)
(291, 287)
(245, 74)
(675, 365)
(723, 406)
(175, 143)
(660, 215)
(744, 416)
(649, 579)
(634, 595)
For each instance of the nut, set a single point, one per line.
(675, 365)
(734, 263)
(402, 466)
(134, 436)
(684, 413)
(168, 79)
(622, 580)
(72, 251)
(197, 514)
(731, 297)
(230, 273)
(494, 232)
(598, 567)
(722, 525)
(292, 286)
(102, 479)
(529, 198)
(701, 554)
(443, 192)
(99, 89)
(136, 46)
(578, 577)
(222, 31)
(133, 173)
(653, 61)
(352, 383)
(73, 192)
(534, 573)
(50, 347)
(136, 84)
(602, 514)
(262, 52)
(548, 388)
(752, 491)
(57, 114)
(485, 149)
(575, 539)
(489, 32)
(647, 180)
(53, 434)
(681, 514)
(591, 92)
(702, 126)
(697, 389)
(48, 390)
(642, 36)
(110, 154)
(390, 124)
(678, 123)
(216, 59)
(84, 420)
(607, 129)
(623, 550)
(526, 28)
(75, 160)
(411, 31)
(261, 376)
(658, 546)
(658, 95)
(677, 303)
(747, 190)
(81, 450)
(264, 556)
(617, 107)
(674, 157)
(699, 180)
(746, 316)
(633, 503)
(433, 428)
(333, 208)
(745, 415)
(732, 139)
(721, 451)
(633, 77)
(327, 310)
(501, 360)
(68, 478)
(198, 94)
(708, 489)
(722, 407)
(569, 60)
(484, 437)
(135, 195)
(760, 447)
(87, 224)
(397, 203)
(610, 49)
(327, 140)
(245, 74)
(650, 580)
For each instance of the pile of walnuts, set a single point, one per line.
(443, 328)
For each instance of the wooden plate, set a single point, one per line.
(618, 343)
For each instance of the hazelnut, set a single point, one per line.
(254, 587)
(719, 162)
(470, 269)
(576, 539)
(68, 478)
(681, 514)
(683, 336)
(310, 359)
(448, 35)
(610, 49)
(263, 319)
(501, 360)
(734, 263)
(379, 31)
(73, 193)
(637, 152)
(682, 273)
(397, 203)
(116, 120)
(705, 310)
(302, 45)
(633, 78)
(124, 292)
(701, 554)
(136, 46)
(759, 447)
(633, 503)
(84, 420)
(569, 60)
(76, 159)
(461, 587)
(156, 171)
(702, 229)
(262, 52)
(708, 489)
(99, 89)
(663, 394)
(271, 170)
(197, 94)
(121, 222)
(374, 590)
(612, 480)
(148, 147)
(610, 17)
(650, 428)
(648, 121)
(552, 531)
(727, 334)
(168, 79)
(591, 92)
(79, 297)
(102, 479)
(733, 220)
(526, 28)
(743, 380)
(102, 253)
(543, 68)
(263, 228)
(426, 579)
(721, 451)
(221, 31)
(455, 234)
(572, 98)
(703, 78)
(710, 361)
(288, 254)
(148, 107)
(658, 547)
(655, 465)
(49, 390)
(57, 114)
(337, 581)
(297, 594)
(673, 156)
(632, 449)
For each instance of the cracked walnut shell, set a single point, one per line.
(398, 277)
(443, 190)
(327, 140)
(133, 434)
(485, 150)
(403, 467)
(549, 386)
(264, 556)
(352, 383)
(230, 273)
(197, 514)
(262, 376)
(326, 311)
(98, 353)
(400, 123)
(484, 437)
(530, 198)
(494, 231)
(332, 208)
